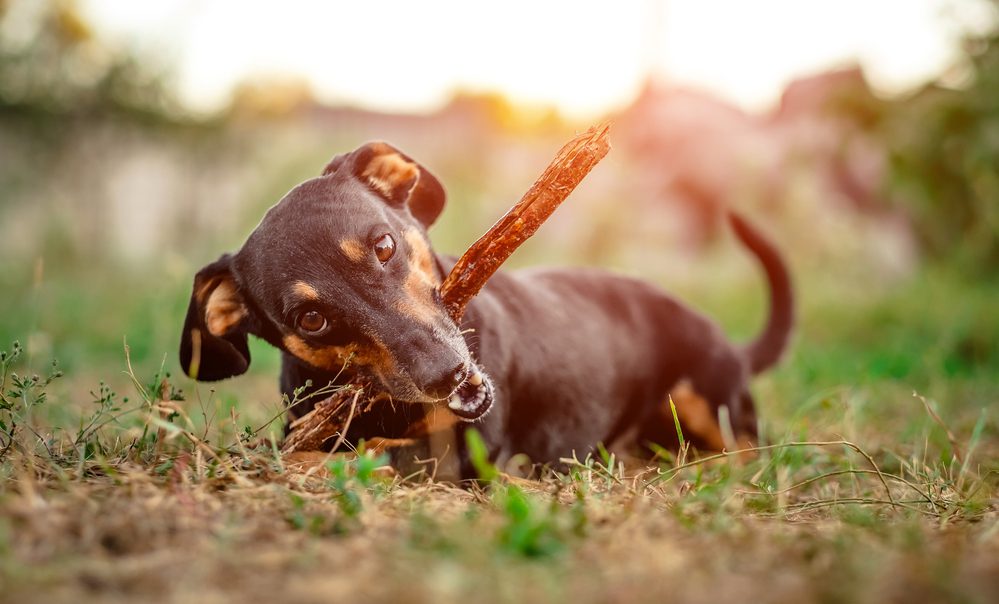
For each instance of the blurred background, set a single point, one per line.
(141, 140)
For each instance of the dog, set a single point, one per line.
(546, 362)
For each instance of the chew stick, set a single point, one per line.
(331, 417)
(573, 162)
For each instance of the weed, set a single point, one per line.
(19, 395)
(530, 529)
(912, 487)
(301, 518)
(350, 479)
(478, 454)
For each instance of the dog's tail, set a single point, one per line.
(765, 350)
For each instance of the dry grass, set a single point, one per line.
(146, 505)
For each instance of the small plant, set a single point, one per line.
(350, 478)
(87, 440)
(298, 396)
(111, 410)
(18, 396)
(349, 482)
(479, 456)
(303, 520)
(530, 528)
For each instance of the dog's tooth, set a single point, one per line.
(454, 402)
(476, 378)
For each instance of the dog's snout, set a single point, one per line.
(446, 383)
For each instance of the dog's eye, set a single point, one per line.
(312, 322)
(384, 248)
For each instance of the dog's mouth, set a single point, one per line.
(474, 397)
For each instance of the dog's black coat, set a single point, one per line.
(576, 357)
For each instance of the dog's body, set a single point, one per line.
(547, 363)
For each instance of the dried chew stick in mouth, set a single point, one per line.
(332, 417)
(572, 163)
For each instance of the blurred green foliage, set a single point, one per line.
(52, 65)
(944, 147)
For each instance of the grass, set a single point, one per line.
(876, 479)
(860, 492)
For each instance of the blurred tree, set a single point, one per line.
(52, 65)
(271, 97)
(500, 112)
(944, 146)
(86, 124)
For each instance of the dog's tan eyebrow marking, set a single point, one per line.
(353, 249)
(304, 290)
(388, 171)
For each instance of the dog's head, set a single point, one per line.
(339, 272)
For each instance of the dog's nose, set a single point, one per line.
(446, 384)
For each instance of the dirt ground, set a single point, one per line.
(257, 532)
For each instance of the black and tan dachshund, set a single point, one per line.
(546, 362)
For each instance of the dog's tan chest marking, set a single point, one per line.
(353, 249)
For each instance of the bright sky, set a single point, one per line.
(584, 56)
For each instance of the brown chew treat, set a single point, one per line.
(573, 162)
(331, 417)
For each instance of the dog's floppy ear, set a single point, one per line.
(395, 176)
(214, 344)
